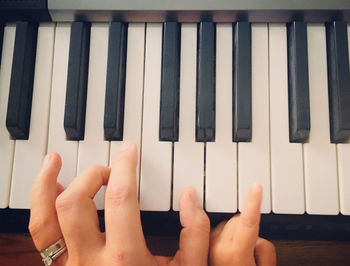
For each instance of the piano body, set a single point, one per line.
(216, 94)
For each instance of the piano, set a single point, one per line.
(216, 94)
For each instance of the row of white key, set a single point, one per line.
(302, 177)
(7, 145)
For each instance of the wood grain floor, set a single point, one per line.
(18, 249)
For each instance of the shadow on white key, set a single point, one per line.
(254, 156)
(94, 149)
(57, 136)
(188, 154)
(7, 145)
(343, 150)
(221, 171)
(155, 181)
(286, 158)
(29, 153)
(133, 91)
(321, 182)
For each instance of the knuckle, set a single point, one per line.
(119, 258)
(65, 202)
(35, 226)
(118, 195)
(249, 223)
(203, 223)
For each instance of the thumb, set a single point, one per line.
(194, 237)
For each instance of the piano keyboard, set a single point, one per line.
(216, 106)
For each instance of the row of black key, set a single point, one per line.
(19, 105)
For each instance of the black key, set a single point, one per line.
(338, 81)
(78, 66)
(242, 83)
(1, 39)
(205, 94)
(298, 83)
(170, 82)
(21, 87)
(115, 82)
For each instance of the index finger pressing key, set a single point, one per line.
(122, 212)
(248, 225)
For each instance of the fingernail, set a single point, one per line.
(256, 187)
(47, 160)
(193, 196)
(125, 145)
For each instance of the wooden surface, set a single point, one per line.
(18, 249)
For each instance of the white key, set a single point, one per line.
(94, 149)
(286, 158)
(344, 168)
(188, 154)
(6, 143)
(155, 181)
(57, 136)
(133, 90)
(343, 151)
(321, 181)
(344, 177)
(254, 156)
(221, 171)
(29, 153)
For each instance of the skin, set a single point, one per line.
(71, 214)
(237, 241)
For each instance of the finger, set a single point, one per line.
(217, 230)
(122, 212)
(248, 225)
(265, 254)
(194, 237)
(43, 224)
(60, 188)
(229, 229)
(77, 212)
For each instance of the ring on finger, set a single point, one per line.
(52, 252)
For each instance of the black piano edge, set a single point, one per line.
(272, 226)
(38, 11)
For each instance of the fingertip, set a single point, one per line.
(127, 145)
(189, 196)
(254, 196)
(248, 225)
(195, 234)
(127, 150)
(256, 188)
(49, 170)
(52, 158)
(191, 209)
(51, 166)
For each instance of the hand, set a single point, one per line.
(236, 242)
(71, 214)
